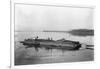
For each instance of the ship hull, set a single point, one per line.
(51, 45)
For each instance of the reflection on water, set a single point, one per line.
(25, 56)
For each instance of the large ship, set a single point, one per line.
(51, 44)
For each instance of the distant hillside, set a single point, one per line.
(82, 32)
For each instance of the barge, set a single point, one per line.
(51, 44)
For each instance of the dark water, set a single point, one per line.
(28, 56)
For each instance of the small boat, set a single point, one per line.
(51, 44)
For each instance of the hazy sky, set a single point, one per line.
(39, 18)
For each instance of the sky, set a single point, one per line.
(52, 18)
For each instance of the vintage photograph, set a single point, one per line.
(52, 34)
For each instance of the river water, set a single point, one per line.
(31, 56)
(54, 35)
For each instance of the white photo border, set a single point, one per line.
(12, 25)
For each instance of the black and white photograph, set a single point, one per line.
(46, 34)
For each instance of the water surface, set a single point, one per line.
(28, 56)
